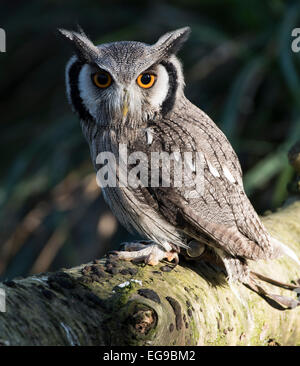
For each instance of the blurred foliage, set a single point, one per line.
(239, 69)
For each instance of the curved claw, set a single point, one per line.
(289, 302)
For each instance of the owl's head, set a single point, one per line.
(124, 82)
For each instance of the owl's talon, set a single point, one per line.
(170, 256)
(150, 254)
(151, 261)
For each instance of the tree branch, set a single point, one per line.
(120, 303)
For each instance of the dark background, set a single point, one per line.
(239, 69)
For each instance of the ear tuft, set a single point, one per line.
(66, 33)
(81, 31)
(171, 42)
(84, 48)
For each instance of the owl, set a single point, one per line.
(132, 94)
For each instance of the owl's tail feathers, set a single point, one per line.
(288, 302)
(282, 249)
(238, 270)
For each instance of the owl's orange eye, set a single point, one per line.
(146, 80)
(102, 79)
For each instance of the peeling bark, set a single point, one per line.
(119, 303)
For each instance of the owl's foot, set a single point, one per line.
(288, 302)
(147, 252)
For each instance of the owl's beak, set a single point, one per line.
(125, 103)
(125, 108)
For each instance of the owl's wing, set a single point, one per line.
(222, 212)
(176, 209)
